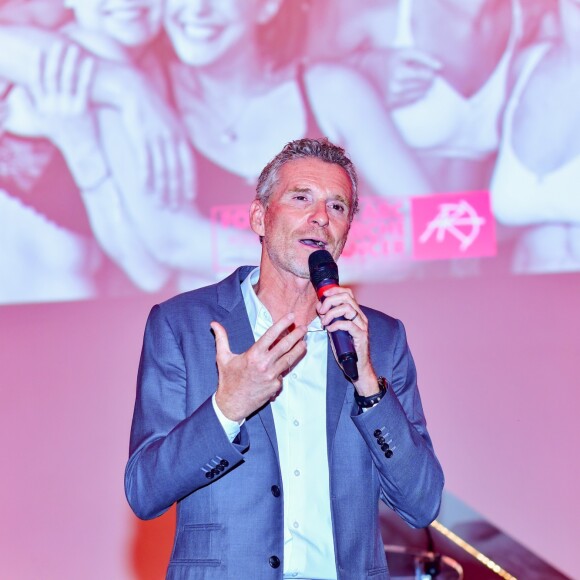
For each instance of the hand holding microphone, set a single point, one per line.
(345, 322)
(324, 275)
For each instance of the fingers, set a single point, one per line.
(274, 333)
(187, 168)
(336, 296)
(352, 327)
(172, 176)
(67, 80)
(420, 59)
(344, 317)
(170, 171)
(340, 301)
(279, 348)
(179, 172)
(156, 169)
(410, 75)
(51, 71)
(85, 79)
(75, 77)
(63, 78)
(406, 87)
(288, 341)
(249, 380)
(222, 342)
(288, 359)
(44, 86)
(413, 76)
(169, 168)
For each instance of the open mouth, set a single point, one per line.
(312, 243)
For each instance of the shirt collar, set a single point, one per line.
(257, 313)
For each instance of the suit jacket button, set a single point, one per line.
(224, 462)
(385, 447)
(388, 453)
(381, 440)
(209, 474)
(274, 561)
(275, 491)
(377, 433)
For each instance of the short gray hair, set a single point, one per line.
(305, 148)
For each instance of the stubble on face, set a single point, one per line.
(304, 209)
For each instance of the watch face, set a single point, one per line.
(383, 383)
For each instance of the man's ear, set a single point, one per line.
(257, 215)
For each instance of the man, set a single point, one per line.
(243, 417)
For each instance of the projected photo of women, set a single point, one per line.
(237, 68)
(441, 67)
(54, 105)
(535, 185)
(47, 251)
(132, 132)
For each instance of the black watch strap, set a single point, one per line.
(368, 402)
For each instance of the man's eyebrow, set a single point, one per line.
(299, 189)
(342, 198)
(305, 189)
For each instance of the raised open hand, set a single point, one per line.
(249, 380)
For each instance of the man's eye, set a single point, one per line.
(338, 207)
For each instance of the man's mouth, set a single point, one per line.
(312, 243)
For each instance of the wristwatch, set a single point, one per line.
(368, 402)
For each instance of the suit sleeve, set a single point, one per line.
(172, 453)
(395, 430)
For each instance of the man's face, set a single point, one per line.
(309, 210)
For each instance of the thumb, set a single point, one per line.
(222, 343)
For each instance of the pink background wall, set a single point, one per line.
(498, 369)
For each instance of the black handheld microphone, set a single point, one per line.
(324, 275)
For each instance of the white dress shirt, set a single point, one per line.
(300, 420)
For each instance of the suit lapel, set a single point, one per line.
(240, 334)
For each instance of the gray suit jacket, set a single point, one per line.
(230, 523)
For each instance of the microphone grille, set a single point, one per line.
(322, 267)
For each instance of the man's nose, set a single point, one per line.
(320, 214)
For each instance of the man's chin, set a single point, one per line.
(300, 271)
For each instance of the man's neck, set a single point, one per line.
(282, 292)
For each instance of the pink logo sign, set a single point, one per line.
(381, 228)
(453, 225)
(378, 229)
